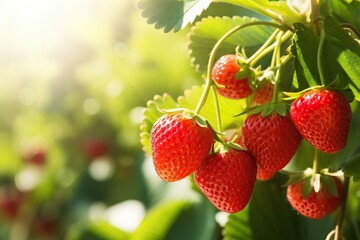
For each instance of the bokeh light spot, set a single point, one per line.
(91, 106)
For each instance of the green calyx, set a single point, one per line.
(313, 181)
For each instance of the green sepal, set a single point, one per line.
(201, 121)
(188, 114)
(329, 184)
(244, 72)
(307, 187)
(282, 109)
(171, 111)
(235, 146)
(296, 177)
(295, 95)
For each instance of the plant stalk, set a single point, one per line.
(209, 80)
(341, 217)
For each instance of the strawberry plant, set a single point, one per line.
(277, 72)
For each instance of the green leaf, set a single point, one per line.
(268, 216)
(277, 10)
(208, 31)
(97, 230)
(196, 222)
(229, 108)
(342, 47)
(352, 166)
(304, 48)
(346, 11)
(159, 220)
(172, 14)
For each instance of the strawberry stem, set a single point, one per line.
(319, 58)
(268, 49)
(217, 109)
(274, 61)
(260, 51)
(315, 161)
(209, 80)
(341, 216)
(315, 15)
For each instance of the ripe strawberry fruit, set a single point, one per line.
(272, 139)
(224, 73)
(316, 205)
(261, 174)
(264, 94)
(323, 118)
(179, 145)
(227, 179)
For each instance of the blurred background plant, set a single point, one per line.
(75, 76)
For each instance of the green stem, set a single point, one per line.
(315, 15)
(209, 80)
(276, 60)
(270, 48)
(263, 47)
(217, 109)
(278, 77)
(316, 162)
(341, 217)
(319, 58)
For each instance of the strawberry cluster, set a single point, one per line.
(270, 136)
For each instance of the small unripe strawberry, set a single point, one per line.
(179, 145)
(272, 140)
(227, 179)
(224, 73)
(323, 118)
(316, 205)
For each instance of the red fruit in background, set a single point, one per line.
(227, 179)
(36, 157)
(272, 140)
(179, 145)
(45, 225)
(323, 118)
(95, 147)
(10, 201)
(316, 205)
(264, 94)
(224, 73)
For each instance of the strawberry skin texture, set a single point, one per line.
(224, 73)
(227, 179)
(261, 174)
(323, 118)
(264, 94)
(179, 145)
(316, 205)
(272, 140)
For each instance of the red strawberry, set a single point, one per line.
(272, 140)
(224, 73)
(227, 179)
(261, 174)
(323, 118)
(179, 145)
(316, 205)
(264, 94)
